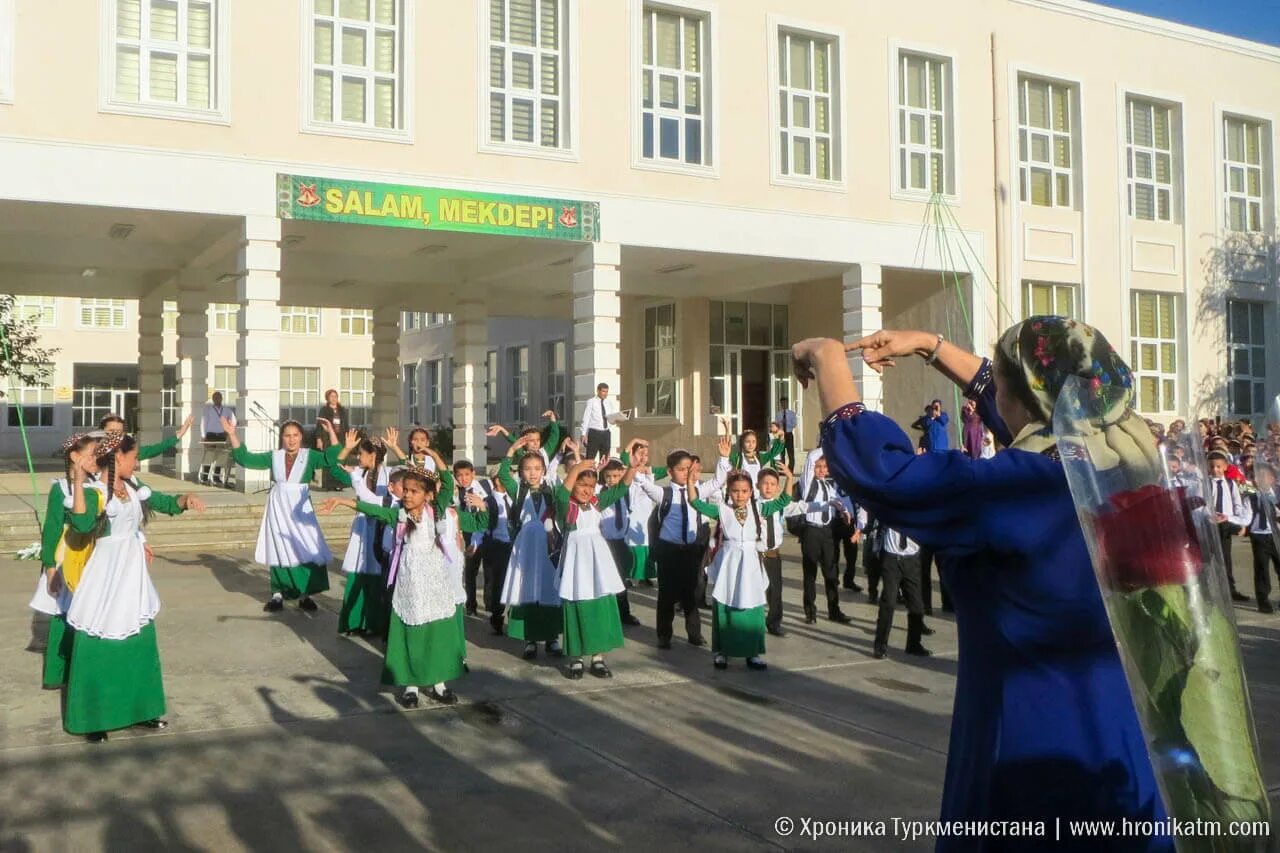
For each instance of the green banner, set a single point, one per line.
(432, 208)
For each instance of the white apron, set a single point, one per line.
(531, 578)
(425, 587)
(290, 534)
(587, 569)
(115, 598)
(447, 531)
(360, 557)
(736, 575)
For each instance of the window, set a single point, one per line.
(170, 316)
(808, 118)
(299, 394)
(435, 391)
(527, 73)
(165, 54)
(925, 133)
(102, 313)
(747, 325)
(410, 321)
(40, 311)
(1150, 155)
(1242, 179)
(1247, 354)
(356, 321)
(1045, 150)
(1044, 298)
(300, 319)
(6, 51)
(225, 380)
(225, 317)
(409, 391)
(89, 404)
(675, 90)
(1154, 351)
(33, 402)
(660, 361)
(491, 386)
(170, 404)
(434, 320)
(518, 371)
(355, 388)
(554, 367)
(357, 73)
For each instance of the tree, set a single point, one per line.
(23, 361)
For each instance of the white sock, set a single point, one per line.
(277, 596)
(440, 687)
(411, 690)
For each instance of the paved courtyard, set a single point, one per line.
(281, 737)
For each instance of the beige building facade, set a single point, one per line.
(686, 187)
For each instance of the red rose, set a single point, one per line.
(1146, 538)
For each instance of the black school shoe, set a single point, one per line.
(308, 605)
(273, 605)
(1265, 607)
(879, 652)
(776, 630)
(444, 697)
(840, 618)
(600, 669)
(664, 642)
(96, 737)
(919, 651)
(576, 669)
(756, 664)
(407, 699)
(155, 725)
(630, 620)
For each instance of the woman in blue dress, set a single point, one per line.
(1044, 727)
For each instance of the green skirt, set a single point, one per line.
(737, 633)
(642, 568)
(112, 684)
(423, 655)
(364, 605)
(299, 581)
(57, 655)
(592, 627)
(534, 623)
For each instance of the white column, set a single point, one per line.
(862, 316)
(597, 325)
(193, 363)
(470, 389)
(386, 367)
(258, 349)
(150, 425)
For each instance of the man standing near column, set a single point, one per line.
(211, 421)
(597, 440)
(786, 421)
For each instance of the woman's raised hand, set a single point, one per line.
(186, 425)
(882, 348)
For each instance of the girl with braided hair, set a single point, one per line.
(426, 642)
(113, 680)
(736, 575)
(290, 542)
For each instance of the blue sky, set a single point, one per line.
(1257, 20)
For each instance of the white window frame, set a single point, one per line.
(434, 383)
(492, 372)
(230, 311)
(118, 308)
(291, 313)
(1027, 133)
(710, 167)
(898, 52)
(410, 321)
(674, 378)
(169, 315)
(519, 387)
(357, 398)
(567, 150)
(230, 390)
(1262, 127)
(47, 315)
(778, 27)
(309, 392)
(219, 111)
(1137, 341)
(170, 399)
(1133, 151)
(1055, 287)
(436, 320)
(556, 382)
(350, 318)
(407, 51)
(1257, 354)
(44, 398)
(8, 23)
(409, 382)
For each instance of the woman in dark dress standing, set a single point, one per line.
(1044, 727)
(336, 414)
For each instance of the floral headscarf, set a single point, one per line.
(1046, 350)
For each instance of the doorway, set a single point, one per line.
(741, 392)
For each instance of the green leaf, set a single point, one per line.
(1215, 713)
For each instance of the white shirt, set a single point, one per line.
(776, 521)
(898, 544)
(615, 520)
(822, 493)
(211, 418)
(501, 528)
(460, 504)
(596, 414)
(680, 527)
(786, 419)
(1232, 506)
(1260, 520)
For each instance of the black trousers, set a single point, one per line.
(599, 443)
(495, 555)
(1226, 531)
(818, 554)
(678, 570)
(470, 574)
(871, 564)
(841, 532)
(789, 447)
(621, 560)
(905, 572)
(773, 595)
(1265, 557)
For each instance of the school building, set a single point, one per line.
(472, 211)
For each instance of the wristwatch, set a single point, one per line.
(933, 356)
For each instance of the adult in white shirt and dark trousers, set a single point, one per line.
(1230, 512)
(1262, 530)
(213, 433)
(786, 421)
(597, 439)
(680, 543)
(900, 568)
(818, 546)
